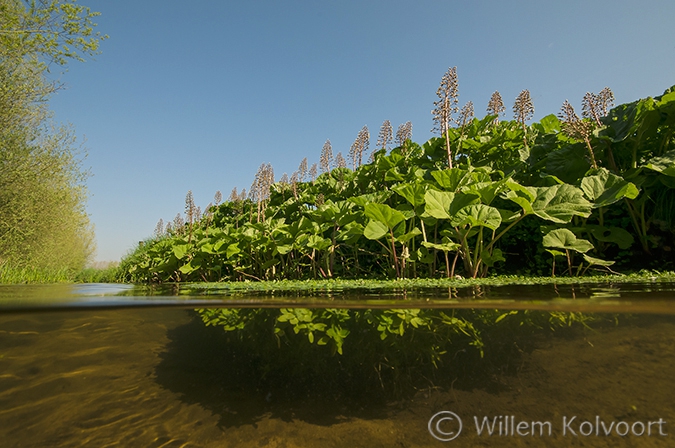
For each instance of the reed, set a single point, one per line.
(22, 275)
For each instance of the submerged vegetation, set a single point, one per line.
(390, 351)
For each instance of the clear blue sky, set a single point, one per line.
(196, 95)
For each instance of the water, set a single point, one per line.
(110, 365)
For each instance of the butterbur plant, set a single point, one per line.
(284, 181)
(445, 107)
(326, 158)
(302, 170)
(260, 190)
(385, 136)
(496, 106)
(576, 128)
(190, 213)
(596, 106)
(159, 229)
(340, 161)
(234, 195)
(523, 110)
(359, 146)
(403, 133)
(294, 184)
(408, 215)
(312, 172)
(464, 118)
(178, 223)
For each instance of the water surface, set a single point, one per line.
(111, 365)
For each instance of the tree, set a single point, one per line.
(53, 31)
(43, 221)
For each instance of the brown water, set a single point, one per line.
(100, 376)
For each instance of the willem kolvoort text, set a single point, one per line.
(507, 425)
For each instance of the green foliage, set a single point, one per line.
(408, 214)
(43, 223)
(20, 275)
(390, 350)
(54, 31)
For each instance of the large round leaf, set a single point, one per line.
(383, 213)
(559, 203)
(605, 188)
(565, 239)
(375, 230)
(478, 215)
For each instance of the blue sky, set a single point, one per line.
(196, 95)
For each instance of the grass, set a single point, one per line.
(345, 285)
(22, 275)
(14, 275)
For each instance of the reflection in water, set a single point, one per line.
(159, 378)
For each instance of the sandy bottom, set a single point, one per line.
(146, 378)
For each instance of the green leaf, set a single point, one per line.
(550, 124)
(437, 203)
(189, 268)
(408, 236)
(487, 191)
(283, 249)
(568, 163)
(491, 258)
(559, 203)
(384, 214)
(412, 192)
(521, 195)
(369, 198)
(664, 164)
(446, 246)
(478, 215)
(232, 250)
(451, 179)
(565, 239)
(605, 188)
(375, 230)
(318, 243)
(597, 261)
(617, 235)
(555, 253)
(180, 250)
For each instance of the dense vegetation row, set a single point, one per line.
(44, 228)
(559, 196)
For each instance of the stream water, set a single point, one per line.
(117, 366)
